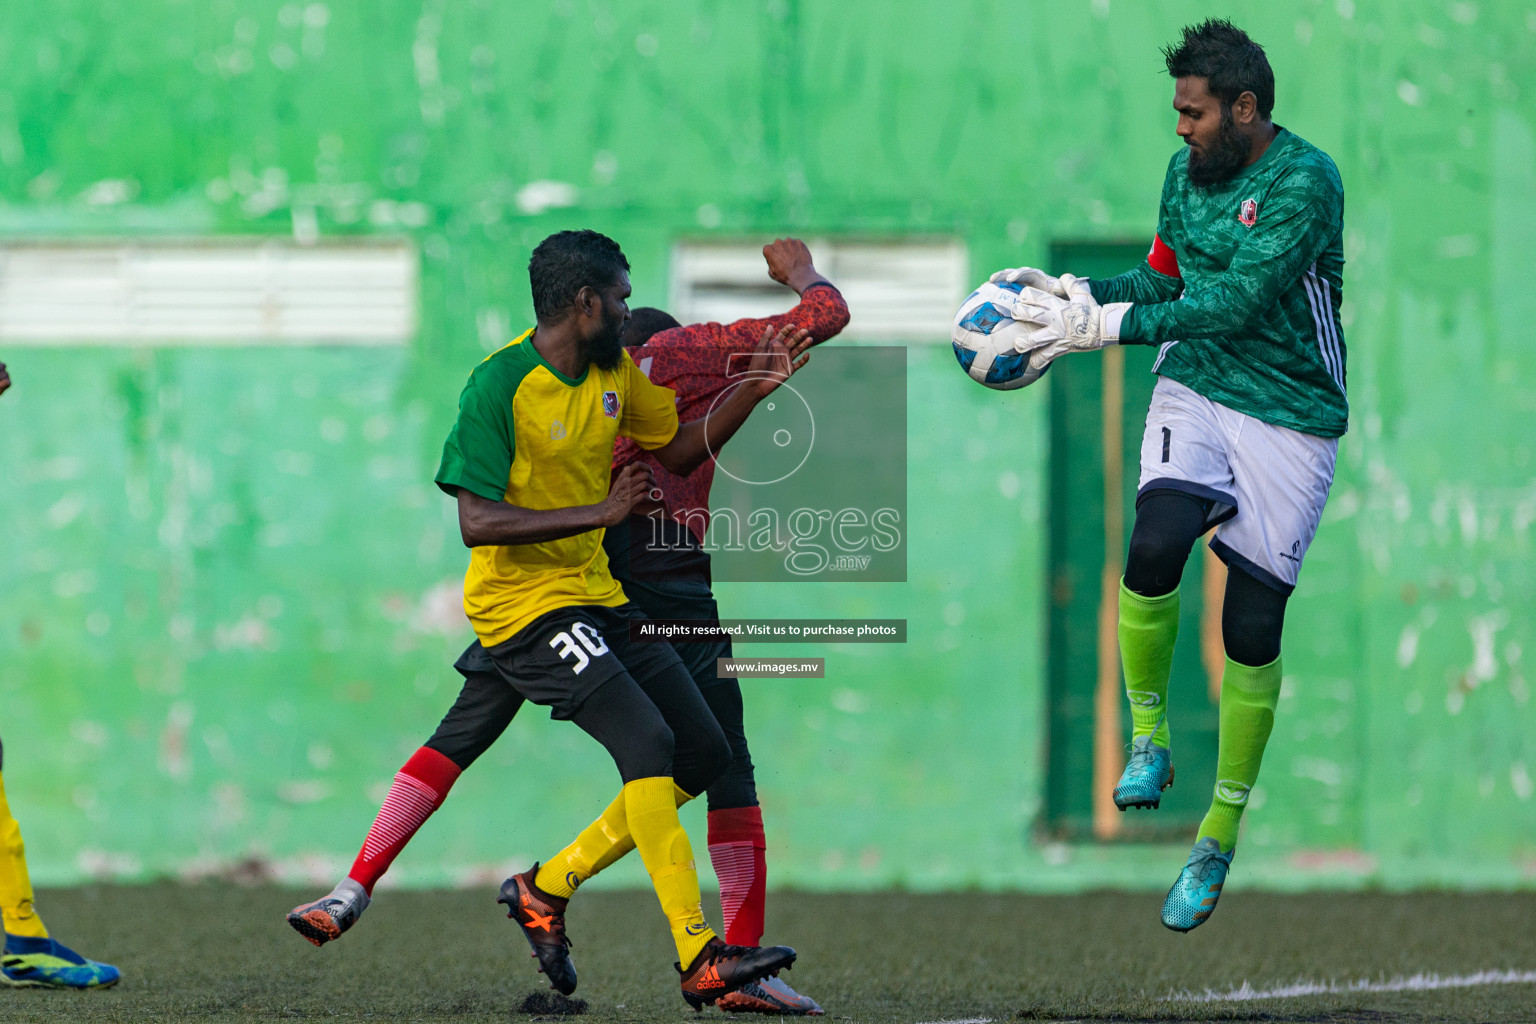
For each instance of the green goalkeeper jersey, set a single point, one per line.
(1243, 285)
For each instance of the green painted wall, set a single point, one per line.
(228, 609)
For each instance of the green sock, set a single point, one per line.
(1248, 699)
(1148, 628)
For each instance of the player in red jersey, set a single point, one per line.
(694, 359)
(671, 579)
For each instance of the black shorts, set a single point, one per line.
(562, 656)
(690, 597)
(684, 599)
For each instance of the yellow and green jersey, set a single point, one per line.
(1243, 287)
(533, 437)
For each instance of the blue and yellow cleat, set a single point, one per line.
(45, 963)
(1146, 775)
(1193, 897)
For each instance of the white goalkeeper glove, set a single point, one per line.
(1029, 277)
(1074, 323)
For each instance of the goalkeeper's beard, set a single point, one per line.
(1223, 157)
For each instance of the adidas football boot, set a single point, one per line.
(720, 968)
(46, 963)
(325, 919)
(1148, 772)
(1193, 897)
(542, 918)
(771, 996)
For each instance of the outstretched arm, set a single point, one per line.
(1149, 281)
(822, 312)
(1299, 221)
(483, 521)
(1300, 218)
(789, 263)
(779, 355)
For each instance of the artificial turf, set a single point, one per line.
(224, 953)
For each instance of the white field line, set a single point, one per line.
(963, 1020)
(1415, 983)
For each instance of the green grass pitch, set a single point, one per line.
(214, 953)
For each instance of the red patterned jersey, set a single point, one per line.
(693, 361)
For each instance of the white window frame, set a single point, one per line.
(899, 290)
(208, 292)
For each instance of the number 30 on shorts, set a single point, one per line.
(590, 638)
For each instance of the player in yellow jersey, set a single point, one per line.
(32, 959)
(528, 461)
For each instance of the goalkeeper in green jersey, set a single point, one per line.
(1241, 295)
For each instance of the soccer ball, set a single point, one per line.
(984, 335)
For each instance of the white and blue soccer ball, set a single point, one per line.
(984, 337)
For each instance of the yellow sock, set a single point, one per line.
(663, 845)
(600, 844)
(15, 886)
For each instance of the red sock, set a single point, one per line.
(419, 789)
(737, 850)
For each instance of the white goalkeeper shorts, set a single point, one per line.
(1267, 484)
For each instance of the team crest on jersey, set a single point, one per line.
(1248, 213)
(610, 404)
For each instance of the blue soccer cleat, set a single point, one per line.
(1146, 775)
(1193, 897)
(45, 963)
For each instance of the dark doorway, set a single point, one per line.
(1098, 409)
